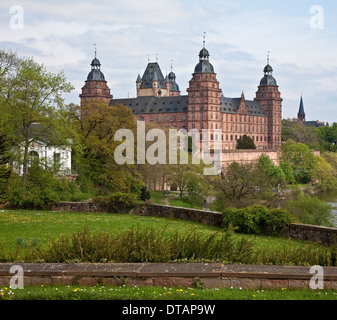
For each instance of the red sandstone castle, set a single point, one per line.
(159, 100)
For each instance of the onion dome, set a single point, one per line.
(268, 79)
(96, 74)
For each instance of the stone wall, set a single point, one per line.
(80, 207)
(247, 156)
(206, 217)
(209, 275)
(313, 233)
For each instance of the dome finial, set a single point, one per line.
(95, 49)
(268, 57)
(204, 41)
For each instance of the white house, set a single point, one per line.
(42, 149)
(50, 156)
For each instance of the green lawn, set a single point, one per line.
(156, 293)
(172, 199)
(25, 226)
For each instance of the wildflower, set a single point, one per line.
(76, 289)
(192, 294)
(284, 289)
(42, 285)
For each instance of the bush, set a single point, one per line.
(257, 219)
(43, 190)
(278, 221)
(118, 202)
(248, 220)
(153, 245)
(137, 245)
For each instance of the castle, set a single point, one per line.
(159, 100)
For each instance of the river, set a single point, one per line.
(331, 198)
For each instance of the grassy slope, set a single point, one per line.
(44, 226)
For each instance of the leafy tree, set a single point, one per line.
(288, 172)
(270, 171)
(240, 185)
(301, 159)
(96, 124)
(30, 95)
(4, 170)
(298, 132)
(311, 210)
(323, 172)
(194, 189)
(245, 143)
(331, 158)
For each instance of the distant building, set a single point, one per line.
(45, 152)
(301, 117)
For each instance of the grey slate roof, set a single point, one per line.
(152, 73)
(231, 105)
(153, 105)
(268, 80)
(96, 75)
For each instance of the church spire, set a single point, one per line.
(301, 113)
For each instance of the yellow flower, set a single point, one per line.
(284, 289)
(42, 285)
(76, 289)
(254, 295)
(192, 294)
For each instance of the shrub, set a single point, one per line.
(143, 245)
(248, 220)
(257, 219)
(278, 221)
(118, 202)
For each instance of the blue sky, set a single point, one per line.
(61, 35)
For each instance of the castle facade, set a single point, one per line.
(159, 100)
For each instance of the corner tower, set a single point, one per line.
(95, 86)
(204, 98)
(270, 100)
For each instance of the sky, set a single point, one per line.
(300, 36)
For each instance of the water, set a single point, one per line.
(331, 198)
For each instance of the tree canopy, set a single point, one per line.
(245, 143)
(31, 104)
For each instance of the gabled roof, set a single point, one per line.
(231, 105)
